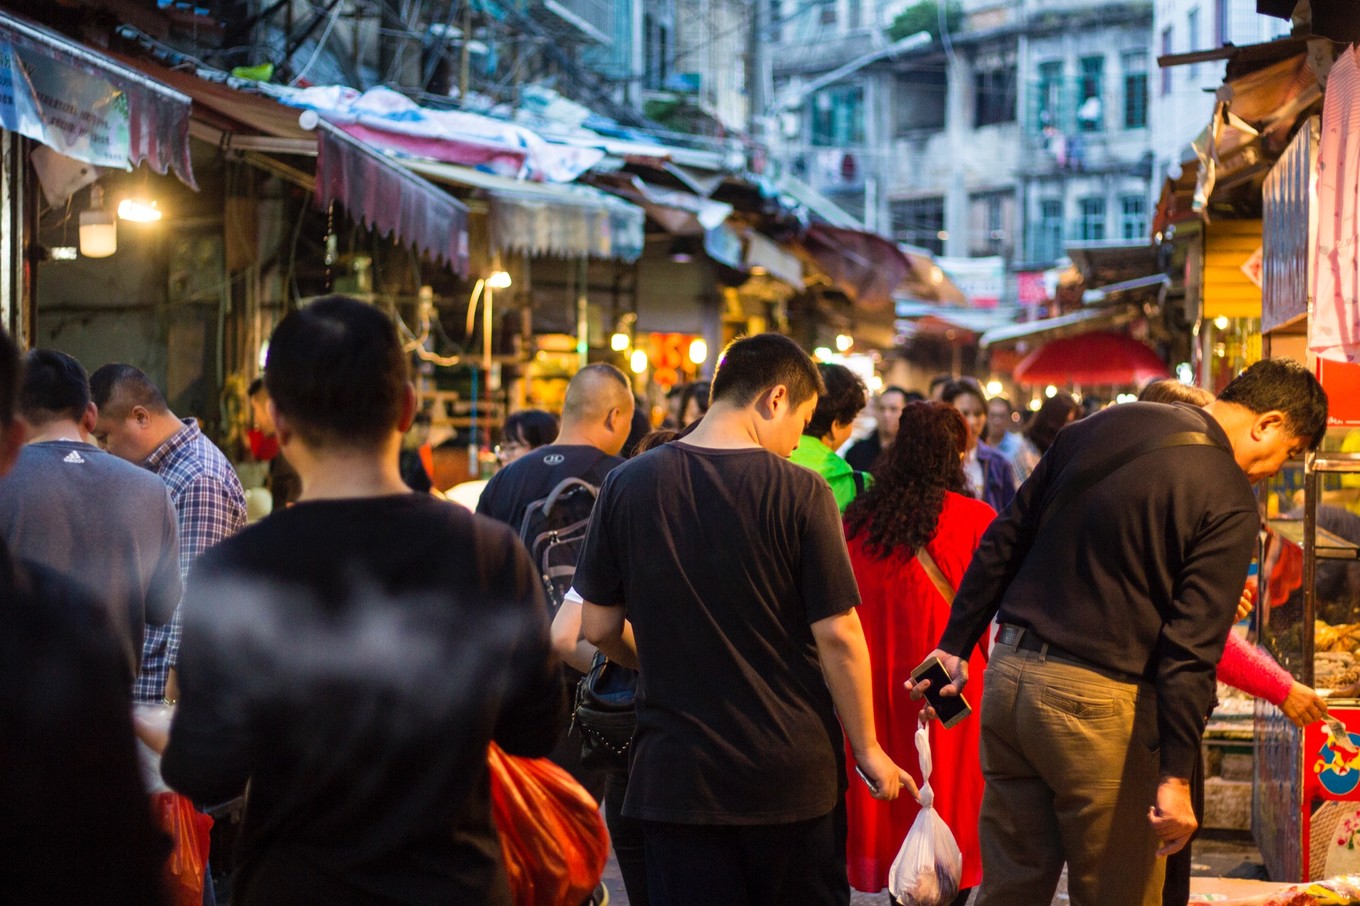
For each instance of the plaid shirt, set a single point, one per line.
(211, 506)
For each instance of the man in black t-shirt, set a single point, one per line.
(730, 565)
(596, 416)
(351, 656)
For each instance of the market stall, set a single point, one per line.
(1307, 783)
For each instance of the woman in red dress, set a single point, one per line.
(918, 498)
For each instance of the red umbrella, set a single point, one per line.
(1091, 359)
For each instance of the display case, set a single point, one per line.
(1306, 807)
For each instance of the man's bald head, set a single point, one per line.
(598, 408)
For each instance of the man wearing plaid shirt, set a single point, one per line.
(136, 424)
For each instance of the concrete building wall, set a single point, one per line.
(1182, 96)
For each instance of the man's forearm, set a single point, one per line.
(845, 665)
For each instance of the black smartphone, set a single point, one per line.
(950, 709)
(873, 787)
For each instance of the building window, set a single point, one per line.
(920, 222)
(1050, 93)
(1135, 90)
(994, 95)
(1221, 28)
(1047, 242)
(1166, 52)
(1091, 95)
(853, 14)
(921, 98)
(1091, 226)
(1133, 222)
(828, 12)
(990, 217)
(838, 117)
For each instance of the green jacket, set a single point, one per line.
(845, 482)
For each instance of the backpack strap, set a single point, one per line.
(858, 478)
(933, 571)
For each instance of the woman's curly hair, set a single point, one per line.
(901, 509)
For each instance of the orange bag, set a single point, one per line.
(188, 829)
(553, 838)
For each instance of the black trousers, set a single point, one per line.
(748, 865)
(628, 839)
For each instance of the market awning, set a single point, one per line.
(1335, 19)
(817, 204)
(1096, 359)
(939, 320)
(389, 198)
(84, 105)
(566, 220)
(1069, 325)
(865, 266)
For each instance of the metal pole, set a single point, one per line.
(582, 313)
(465, 54)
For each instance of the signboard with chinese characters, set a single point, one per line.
(68, 109)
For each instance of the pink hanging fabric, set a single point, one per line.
(1334, 330)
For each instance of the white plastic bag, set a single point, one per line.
(929, 865)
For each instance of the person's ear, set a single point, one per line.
(11, 442)
(140, 416)
(283, 427)
(1267, 423)
(777, 400)
(89, 418)
(410, 403)
(612, 419)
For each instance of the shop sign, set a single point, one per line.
(1341, 380)
(68, 109)
(1330, 816)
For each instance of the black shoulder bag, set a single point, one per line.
(606, 714)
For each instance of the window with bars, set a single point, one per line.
(1091, 95)
(838, 117)
(1091, 223)
(1047, 241)
(919, 221)
(1135, 89)
(1133, 219)
(994, 96)
(1050, 92)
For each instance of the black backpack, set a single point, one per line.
(554, 529)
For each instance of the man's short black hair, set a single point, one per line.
(9, 378)
(116, 388)
(907, 395)
(255, 387)
(1286, 386)
(55, 387)
(751, 365)
(337, 373)
(844, 398)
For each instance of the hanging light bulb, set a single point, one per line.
(498, 280)
(139, 210)
(619, 341)
(844, 341)
(638, 361)
(98, 229)
(698, 351)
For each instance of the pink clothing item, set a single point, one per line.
(1246, 667)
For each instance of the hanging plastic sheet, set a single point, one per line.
(1334, 331)
(85, 106)
(388, 198)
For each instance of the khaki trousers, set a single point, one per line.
(1071, 763)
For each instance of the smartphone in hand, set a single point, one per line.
(950, 709)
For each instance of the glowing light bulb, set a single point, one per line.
(638, 361)
(619, 342)
(698, 352)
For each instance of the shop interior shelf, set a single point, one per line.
(1329, 545)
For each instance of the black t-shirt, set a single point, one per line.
(724, 559)
(352, 658)
(77, 824)
(534, 475)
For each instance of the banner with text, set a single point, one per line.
(68, 109)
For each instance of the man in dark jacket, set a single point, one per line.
(1115, 576)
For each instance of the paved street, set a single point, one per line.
(1221, 856)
